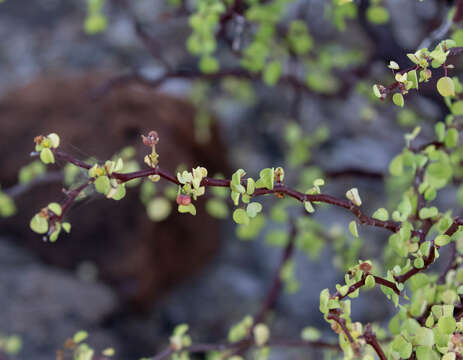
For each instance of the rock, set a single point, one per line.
(44, 306)
(138, 257)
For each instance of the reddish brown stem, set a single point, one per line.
(452, 52)
(72, 194)
(275, 288)
(334, 315)
(278, 189)
(458, 11)
(361, 282)
(457, 222)
(370, 338)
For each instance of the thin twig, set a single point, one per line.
(334, 315)
(47, 178)
(279, 188)
(370, 338)
(275, 289)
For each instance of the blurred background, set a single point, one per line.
(128, 277)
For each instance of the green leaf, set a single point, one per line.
(427, 213)
(109, 352)
(293, 133)
(447, 324)
(310, 333)
(451, 139)
(445, 86)
(449, 297)
(412, 78)
(398, 99)
(253, 209)
(32, 170)
(381, 214)
(299, 38)
(277, 238)
(79, 336)
(279, 214)
(217, 208)
(251, 186)
(39, 224)
(47, 157)
(442, 240)
(402, 346)
(66, 227)
(12, 344)
(95, 24)
(56, 208)
(426, 353)
(394, 325)
(370, 282)
(240, 330)
(449, 356)
(272, 73)
(353, 228)
(377, 14)
(54, 235)
(396, 166)
(439, 128)
(208, 64)
(457, 107)
(250, 231)
(158, 208)
(190, 208)
(261, 334)
(266, 179)
(393, 65)
(457, 36)
(117, 193)
(418, 263)
(424, 337)
(308, 207)
(7, 205)
(241, 217)
(54, 140)
(430, 194)
(324, 300)
(180, 330)
(102, 184)
(235, 196)
(376, 91)
(354, 196)
(429, 321)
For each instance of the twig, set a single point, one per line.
(361, 282)
(273, 292)
(334, 315)
(450, 263)
(458, 12)
(452, 52)
(47, 178)
(275, 288)
(370, 338)
(279, 188)
(151, 44)
(457, 222)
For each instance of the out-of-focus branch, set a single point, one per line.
(47, 178)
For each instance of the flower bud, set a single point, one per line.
(151, 139)
(183, 199)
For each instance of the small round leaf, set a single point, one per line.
(446, 86)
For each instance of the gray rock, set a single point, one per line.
(44, 306)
